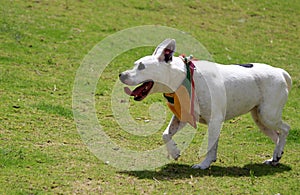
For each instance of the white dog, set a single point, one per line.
(217, 93)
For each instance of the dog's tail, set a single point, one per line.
(288, 80)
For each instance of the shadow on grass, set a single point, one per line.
(181, 171)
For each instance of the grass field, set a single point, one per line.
(43, 44)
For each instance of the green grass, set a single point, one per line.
(43, 44)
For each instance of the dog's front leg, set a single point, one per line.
(214, 129)
(174, 126)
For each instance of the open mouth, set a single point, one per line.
(140, 92)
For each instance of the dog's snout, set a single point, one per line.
(123, 76)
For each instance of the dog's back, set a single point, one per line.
(248, 86)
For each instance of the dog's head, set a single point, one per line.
(156, 73)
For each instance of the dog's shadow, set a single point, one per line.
(181, 171)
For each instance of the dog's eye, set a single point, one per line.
(141, 66)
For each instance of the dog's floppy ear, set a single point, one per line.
(165, 50)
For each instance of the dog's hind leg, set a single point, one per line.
(269, 132)
(271, 124)
(174, 126)
(269, 113)
(283, 133)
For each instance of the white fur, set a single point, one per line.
(226, 92)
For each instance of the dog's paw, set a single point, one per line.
(175, 154)
(204, 165)
(172, 149)
(271, 162)
(200, 166)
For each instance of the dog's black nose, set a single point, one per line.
(123, 76)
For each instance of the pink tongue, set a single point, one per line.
(127, 91)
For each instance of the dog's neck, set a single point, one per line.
(174, 78)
